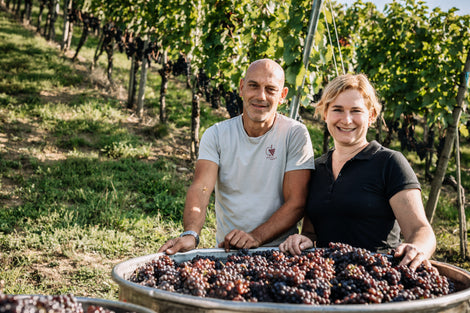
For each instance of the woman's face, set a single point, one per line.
(348, 118)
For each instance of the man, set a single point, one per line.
(259, 164)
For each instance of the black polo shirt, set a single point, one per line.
(355, 208)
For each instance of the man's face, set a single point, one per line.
(262, 90)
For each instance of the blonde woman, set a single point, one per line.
(360, 192)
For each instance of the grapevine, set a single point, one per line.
(340, 274)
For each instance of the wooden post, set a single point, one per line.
(460, 200)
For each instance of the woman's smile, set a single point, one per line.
(346, 129)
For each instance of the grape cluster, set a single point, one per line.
(234, 103)
(181, 66)
(340, 274)
(134, 46)
(113, 33)
(50, 304)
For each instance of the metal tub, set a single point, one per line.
(116, 306)
(170, 302)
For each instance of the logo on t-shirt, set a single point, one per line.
(270, 153)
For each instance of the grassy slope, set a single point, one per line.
(84, 185)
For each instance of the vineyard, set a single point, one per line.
(102, 104)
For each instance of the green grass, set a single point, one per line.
(84, 186)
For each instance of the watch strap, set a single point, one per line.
(191, 233)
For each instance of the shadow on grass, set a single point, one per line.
(108, 193)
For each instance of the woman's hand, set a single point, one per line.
(294, 244)
(420, 241)
(412, 256)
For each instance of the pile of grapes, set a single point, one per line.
(49, 304)
(340, 274)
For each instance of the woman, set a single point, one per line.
(362, 193)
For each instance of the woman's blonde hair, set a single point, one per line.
(359, 82)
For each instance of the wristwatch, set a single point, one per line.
(191, 233)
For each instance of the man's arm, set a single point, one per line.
(197, 200)
(295, 188)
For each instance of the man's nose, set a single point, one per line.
(261, 95)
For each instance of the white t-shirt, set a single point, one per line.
(251, 170)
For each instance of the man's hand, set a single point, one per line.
(238, 239)
(180, 244)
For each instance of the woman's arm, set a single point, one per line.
(420, 241)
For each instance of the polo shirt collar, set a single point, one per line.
(366, 154)
(369, 151)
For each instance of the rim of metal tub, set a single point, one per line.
(121, 273)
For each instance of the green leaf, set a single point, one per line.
(463, 130)
(293, 74)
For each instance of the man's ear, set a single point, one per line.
(240, 87)
(284, 92)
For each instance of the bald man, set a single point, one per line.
(259, 164)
